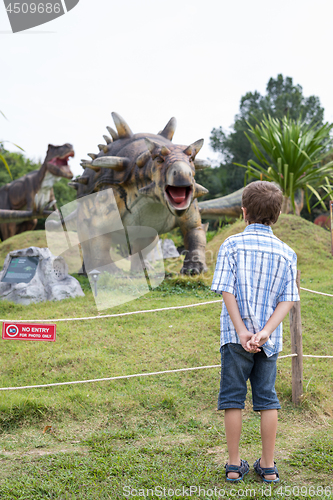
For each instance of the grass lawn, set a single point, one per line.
(118, 439)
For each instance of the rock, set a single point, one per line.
(50, 282)
(169, 249)
(165, 249)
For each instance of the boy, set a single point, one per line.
(256, 274)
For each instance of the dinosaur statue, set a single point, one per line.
(153, 182)
(24, 200)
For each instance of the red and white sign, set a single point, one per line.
(28, 331)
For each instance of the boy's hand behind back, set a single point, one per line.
(257, 340)
(261, 337)
(246, 339)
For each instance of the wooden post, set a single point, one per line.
(296, 348)
(331, 214)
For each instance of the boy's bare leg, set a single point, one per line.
(233, 429)
(269, 419)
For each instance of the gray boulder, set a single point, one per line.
(50, 282)
(165, 249)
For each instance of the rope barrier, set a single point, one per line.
(57, 320)
(136, 375)
(109, 315)
(314, 291)
(313, 356)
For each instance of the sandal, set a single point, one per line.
(265, 471)
(242, 469)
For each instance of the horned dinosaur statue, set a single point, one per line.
(30, 197)
(153, 181)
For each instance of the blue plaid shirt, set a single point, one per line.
(260, 271)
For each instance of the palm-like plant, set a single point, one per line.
(292, 154)
(2, 158)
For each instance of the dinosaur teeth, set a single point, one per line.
(115, 162)
(193, 149)
(74, 185)
(169, 129)
(113, 133)
(107, 139)
(122, 128)
(201, 164)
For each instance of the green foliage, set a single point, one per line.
(211, 179)
(316, 454)
(289, 154)
(282, 98)
(18, 165)
(2, 157)
(63, 193)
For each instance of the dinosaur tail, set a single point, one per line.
(21, 215)
(229, 205)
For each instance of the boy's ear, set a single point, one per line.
(244, 212)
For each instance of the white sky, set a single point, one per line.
(149, 60)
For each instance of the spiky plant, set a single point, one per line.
(2, 158)
(292, 154)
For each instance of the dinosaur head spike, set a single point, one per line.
(143, 158)
(85, 163)
(201, 164)
(122, 128)
(113, 133)
(107, 139)
(165, 151)
(199, 190)
(103, 148)
(92, 156)
(82, 180)
(114, 162)
(193, 149)
(151, 145)
(169, 129)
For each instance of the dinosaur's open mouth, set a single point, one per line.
(179, 197)
(61, 161)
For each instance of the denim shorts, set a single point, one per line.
(237, 366)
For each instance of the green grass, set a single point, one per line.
(161, 430)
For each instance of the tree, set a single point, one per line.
(211, 179)
(282, 98)
(292, 154)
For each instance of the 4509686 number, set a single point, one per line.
(34, 8)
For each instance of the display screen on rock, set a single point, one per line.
(21, 270)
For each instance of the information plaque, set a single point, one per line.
(21, 270)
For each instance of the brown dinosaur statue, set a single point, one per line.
(154, 185)
(24, 200)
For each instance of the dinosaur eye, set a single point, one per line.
(159, 160)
